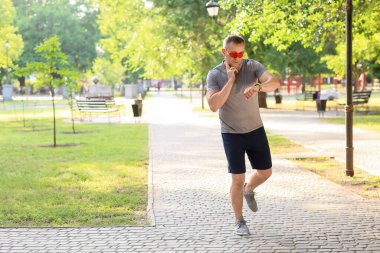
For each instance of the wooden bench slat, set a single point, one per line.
(358, 98)
(307, 96)
(97, 106)
(361, 97)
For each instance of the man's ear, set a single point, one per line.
(224, 51)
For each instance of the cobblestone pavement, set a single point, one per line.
(307, 129)
(298, 211)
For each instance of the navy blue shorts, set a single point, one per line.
(254, 143)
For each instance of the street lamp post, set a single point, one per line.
(349, 107)
(212, 9)
(7, 72)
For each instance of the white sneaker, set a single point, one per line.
(241, 227)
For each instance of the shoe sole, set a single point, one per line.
(242, 234)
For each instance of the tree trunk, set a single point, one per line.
(364, 84)
(55, 133)
(203, 93)
(22, 83)
(303, 78)
(71, 101)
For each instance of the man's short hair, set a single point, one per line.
(236, 39)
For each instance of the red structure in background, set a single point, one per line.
(336, 82)
(292, 83)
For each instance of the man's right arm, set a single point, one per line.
(216, 99)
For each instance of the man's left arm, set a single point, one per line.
(268, 83)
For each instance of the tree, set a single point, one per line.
(8, 33)
(173, 39)
(71, 82)
(201, 37)
(74, 23)
(108, 73)
(51, 69)
(319, 25)
(118, 22)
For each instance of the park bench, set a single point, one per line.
(302, 98)
(90, 107)
(359, 98)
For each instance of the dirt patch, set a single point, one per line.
(60, 145)
(78, 132)
(52, 146)
(35, 130)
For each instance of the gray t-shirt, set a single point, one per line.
(238, 115)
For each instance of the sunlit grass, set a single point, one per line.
(282, 145)
(96, 177)
(362, 183)
(371, 122)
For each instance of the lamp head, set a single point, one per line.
(212, 8)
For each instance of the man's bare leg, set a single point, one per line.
(257, 178)
(236, 192)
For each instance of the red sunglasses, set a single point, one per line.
(236, 54)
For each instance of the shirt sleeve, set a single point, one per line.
(212, 84)
(259, 69)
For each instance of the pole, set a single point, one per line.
(191, 93)
(349, 107)
(203, 88)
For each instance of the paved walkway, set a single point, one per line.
(299, 211)
(307, 129)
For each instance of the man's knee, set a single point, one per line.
(238, 180)
(265, 173)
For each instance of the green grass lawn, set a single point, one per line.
(362, 183)
(371, 122)
(97, 177)
(282, 145)
(16, 110)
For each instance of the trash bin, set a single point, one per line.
(137, 108)
(277, 96)
(278, 99)
(321, 106)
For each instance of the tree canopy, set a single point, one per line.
(314, 24)
(161, 39)
(74, 22)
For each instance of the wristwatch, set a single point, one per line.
(260, 86)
